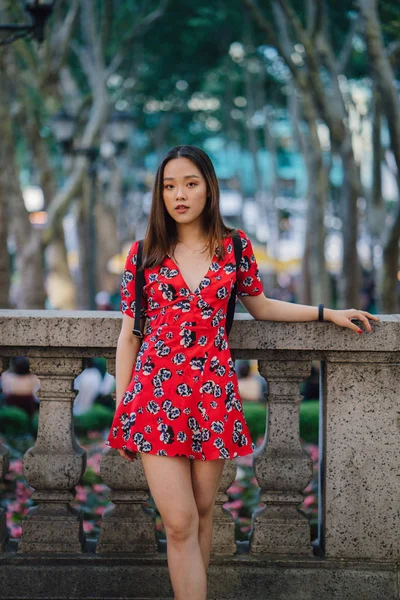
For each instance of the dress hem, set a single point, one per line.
(183, 455)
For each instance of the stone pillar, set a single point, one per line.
(4, 465)
(125, 526)
(284, 469)
(55, 464)
(223, 542)
(362, 455)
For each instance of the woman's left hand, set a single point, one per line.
(343, 318)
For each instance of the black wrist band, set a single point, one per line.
(320, 312)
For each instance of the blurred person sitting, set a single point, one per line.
(19, 386)
(252, 387)
(311, 385)
(107, 385)
(94, 385)
(103, 301)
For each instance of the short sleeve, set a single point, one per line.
(128, 283)
(249, 281)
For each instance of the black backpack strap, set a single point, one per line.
(138, 291)
(237, 246)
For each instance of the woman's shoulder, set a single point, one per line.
(242, 235)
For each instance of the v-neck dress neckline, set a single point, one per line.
(198, 288)
(183, 396)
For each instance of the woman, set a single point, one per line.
(177, 397)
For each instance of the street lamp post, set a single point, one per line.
(118, 131)
(39, 12)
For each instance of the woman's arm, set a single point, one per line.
(268, 309)
(127, 350)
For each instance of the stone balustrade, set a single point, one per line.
(358, 549)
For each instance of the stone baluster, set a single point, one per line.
(283, 470)
(223, 542)
(56, 463)
(125, 526)
(4, 466)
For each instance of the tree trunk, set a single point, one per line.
(4, 257)
(82, 220)
(385, 81)
(60, 285)
(349, 213)
(376, 206)
(30, 291)
(315, 278)
(107, 231)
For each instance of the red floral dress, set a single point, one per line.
(183, 397)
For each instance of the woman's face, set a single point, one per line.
(183, 183)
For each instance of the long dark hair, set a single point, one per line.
(161, 232)
(20, 365)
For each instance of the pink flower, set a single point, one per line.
(99, 487)
(15, 531)
(16, 466)
(245, 529)
(81, 493)
(93, 464)
(234, 504)
(309, 500)
(247, 460)
(88, 526)
(235, 489)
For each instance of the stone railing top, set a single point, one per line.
(100, 329)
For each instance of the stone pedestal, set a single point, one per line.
(283, 470)
(55, 464)
(125, 526)
(223, 542)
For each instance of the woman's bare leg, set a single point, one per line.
(206, 479)
(170, 484)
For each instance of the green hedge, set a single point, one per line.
(96, 418)
(15, 421)
(255, 414)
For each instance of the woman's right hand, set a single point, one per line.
(128, 454)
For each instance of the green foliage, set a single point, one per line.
(309, 420)
(96, 418)
(14, 421)
(256, 415)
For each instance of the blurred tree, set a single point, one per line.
(30, 292)
(71, 68)
(4, 190)
(316, 77)
(31, 76)
(188, 72)
(387, 103)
